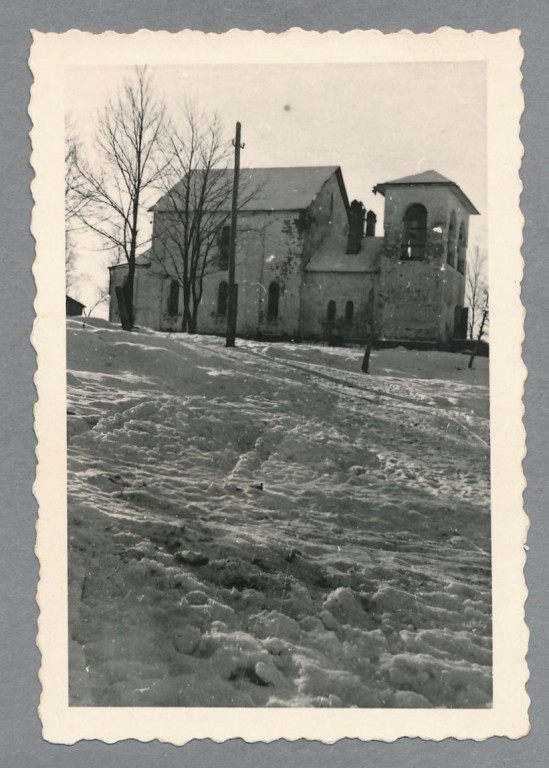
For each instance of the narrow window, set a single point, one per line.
(462, 248)
(331, 315)
(331, 206)
(451, 245)
(173, 298)
(222, 295)
(349, 309)
(224, 247)
(414, 232)
(274, 296)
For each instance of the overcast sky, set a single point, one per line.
(377, 121)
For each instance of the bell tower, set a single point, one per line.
(422, 270)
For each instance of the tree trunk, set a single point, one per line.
(193, 326)
(472, 324)
(479, 337)
(128, 294)
(122, 309)
(187, 320)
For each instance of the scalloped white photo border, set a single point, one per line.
(50, 55)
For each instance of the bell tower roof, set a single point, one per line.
(431, 179)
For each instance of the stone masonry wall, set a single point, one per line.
(321, 287)
(270, 247)
(417, 298)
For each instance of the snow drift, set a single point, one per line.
(268, 526)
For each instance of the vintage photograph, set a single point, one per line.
(278, 283)
(281, 499)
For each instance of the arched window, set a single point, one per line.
(173, 298)
(331, 314)
(222, 295)
(462, 248)
(274, 296)
(224, 247)
(414, 232)
(451, 244)
(349, 309)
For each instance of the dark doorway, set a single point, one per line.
(274, 297)
(222, 298)
(349, 311)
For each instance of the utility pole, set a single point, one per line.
(232, 297)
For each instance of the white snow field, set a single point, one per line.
(268, 526)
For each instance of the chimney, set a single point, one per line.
(356, 216)
(371, 219)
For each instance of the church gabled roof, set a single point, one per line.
(431, 178)
(270, 189)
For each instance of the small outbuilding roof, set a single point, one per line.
(269, 189)
(74, 301)
(431, 178)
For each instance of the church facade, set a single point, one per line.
(309, 264)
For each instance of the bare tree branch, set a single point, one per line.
(195, 207)
(476, 290)
(102, 298)
(111, 193)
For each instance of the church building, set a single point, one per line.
(309, 264)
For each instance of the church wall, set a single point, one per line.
(248, 255)
(453, 283)
(417, 298)
(282, 264)
(272, 246)
(151, 292)
(321, 287)
(116, 278)
(269, 247)
(150, 305)
(326, 214)
(147, 296)
(409, 301)
(453, 295)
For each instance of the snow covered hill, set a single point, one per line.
(267, 525)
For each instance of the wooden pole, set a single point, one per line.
(232, 299)
(366, 358)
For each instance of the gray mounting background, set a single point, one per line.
(21, 743)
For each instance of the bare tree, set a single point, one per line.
(102, 297)
(192, 216)
(111, 190)
(475, 290)
(482, 328)
(70, 263)
(73, 201)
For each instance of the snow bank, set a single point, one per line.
(267, 526)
